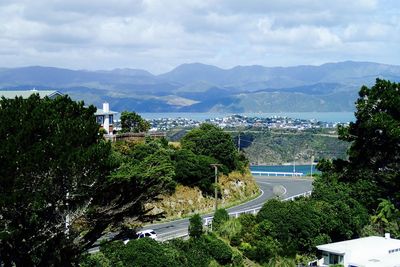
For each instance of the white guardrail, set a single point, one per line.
(208, 220)
(260, 173)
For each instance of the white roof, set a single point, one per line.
(391, 260)
(101, 112)
(367, 251)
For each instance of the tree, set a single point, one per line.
(195, 226)
(133, 122)
(209, 140)
(194, 170)
(220, 217)
(61, 188)
(373, 164)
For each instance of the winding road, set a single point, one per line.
(293, 186)
(178, 228)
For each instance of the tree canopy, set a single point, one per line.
(210, 140)
(133, 122)
(62, 185)
(373, 166)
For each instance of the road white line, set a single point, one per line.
(285, 190)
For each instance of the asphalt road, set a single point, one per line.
(292, 187)
(178, 228)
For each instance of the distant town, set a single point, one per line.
(234, 121)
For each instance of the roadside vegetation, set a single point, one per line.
(354, 196)
(63, 186)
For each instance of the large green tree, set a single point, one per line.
(133, 122)
(61, 185)
(210, 140)
(373, 167)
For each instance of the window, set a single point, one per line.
(100, 119)
(111, 119)
(335, 259)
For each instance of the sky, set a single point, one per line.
(158, 35)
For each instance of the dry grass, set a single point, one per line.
(186, 201)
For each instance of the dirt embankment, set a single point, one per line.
(234, 188)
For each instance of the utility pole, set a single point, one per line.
(216, 184)
(239, 142)
(312, 161)
(294, 162)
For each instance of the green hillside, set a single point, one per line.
(280, 147)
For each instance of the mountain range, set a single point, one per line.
(198, 87)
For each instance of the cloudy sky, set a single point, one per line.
(158, 35)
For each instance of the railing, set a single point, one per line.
(254, 211)
(277, 173)
(133, 136)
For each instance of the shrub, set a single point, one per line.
(230, 228)
(95, 260)
(195, 226)
(220, 216)
(218, 249)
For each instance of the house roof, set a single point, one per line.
(367, 250)
(100, 112)
(28, 93)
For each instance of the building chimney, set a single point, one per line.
(106, 107)
(387, 235)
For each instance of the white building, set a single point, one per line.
(372, 251)
(105, 118)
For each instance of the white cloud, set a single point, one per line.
(160, 34)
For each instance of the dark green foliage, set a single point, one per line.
(220, 216)
(195, 251)
(142, 252)
(133, 122)
(194, 170)
(218, 249)
(95, 260)
(148, 252)
(55, 166)
(113, 252)
(195, 226)
(301, 225)
(335, 201)
(385, 220)
(374, 155)
(42, 159)
(209, 140)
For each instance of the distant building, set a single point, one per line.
(372, 251)
(105, 118)
(27, 93)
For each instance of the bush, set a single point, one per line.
(141, 252)
(95, 260)
(230, 228)
(235, 240)
(220, 216)
(195, 226)
(218, 249)
(113, 252)
(237, 259)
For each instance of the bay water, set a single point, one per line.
(331, 117)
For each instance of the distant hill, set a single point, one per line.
(198, 87)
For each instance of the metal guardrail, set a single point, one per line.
(260, 173)
(208, 220)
